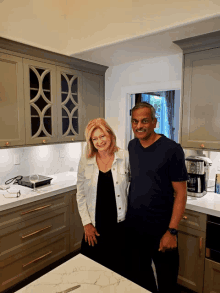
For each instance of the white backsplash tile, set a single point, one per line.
(43, 160)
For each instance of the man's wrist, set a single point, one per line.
(173, 231)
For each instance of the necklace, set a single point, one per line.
(107, 162)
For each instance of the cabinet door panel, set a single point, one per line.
(212, 277)
(11, 101)
(191, 244)
(69, 99)
(40, 102)
(30, 261)
(76, 227)
(194, 220)
(93, 98)
(201, 111)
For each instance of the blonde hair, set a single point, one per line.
(99, 123)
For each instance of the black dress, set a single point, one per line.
(108, 247)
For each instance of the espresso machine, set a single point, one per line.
(198, 175)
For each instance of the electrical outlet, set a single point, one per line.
(218, 168)
(62, 154)
(16, 159)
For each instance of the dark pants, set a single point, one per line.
(140, 250)
(108, 250)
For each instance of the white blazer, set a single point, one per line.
(87, 180)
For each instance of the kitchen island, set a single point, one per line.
(80, 270)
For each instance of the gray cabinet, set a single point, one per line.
(69, 104)
(12, 131)
(212, 277)
(76, 227)
(92, 98)
(35, 235)
(200, 95)
(191, 244)
(40, 102)
(201, 111)
(46, 97)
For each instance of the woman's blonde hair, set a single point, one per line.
(99, 123)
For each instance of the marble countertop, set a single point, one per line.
(61, 182)
(80, 270)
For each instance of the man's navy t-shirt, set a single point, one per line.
(151, 195)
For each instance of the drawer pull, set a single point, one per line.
(39, 258)
(200, 246)
(184, 217)
(37, 209)
(33, 233)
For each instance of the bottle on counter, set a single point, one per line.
(217, 183)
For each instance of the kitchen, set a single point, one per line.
(121, 79)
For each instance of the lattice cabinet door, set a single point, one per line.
(69, 96)
(40, 102)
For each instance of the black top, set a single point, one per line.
(151, 195)
(106, 209)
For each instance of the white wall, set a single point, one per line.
(156, 74)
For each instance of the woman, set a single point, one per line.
(102, 183)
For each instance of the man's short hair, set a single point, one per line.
(144, 105)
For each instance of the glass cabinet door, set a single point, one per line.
(69, 88)
(40, 102)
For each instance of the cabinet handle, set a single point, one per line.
(37, 259)
(33, 233)
(44, 141)
(7, 143)
(73, 139)
(200, 246)
(202, 145)
(37, 209)
(184, 217)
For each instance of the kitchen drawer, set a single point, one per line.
(23, 235)
(24, 264)
(194, 220)
(34, 209)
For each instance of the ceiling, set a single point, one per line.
(155, 44)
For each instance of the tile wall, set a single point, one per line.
(42, 160)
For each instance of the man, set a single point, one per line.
(156, 203)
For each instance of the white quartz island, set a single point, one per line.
(80, 270)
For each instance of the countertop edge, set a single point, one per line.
(18, 202)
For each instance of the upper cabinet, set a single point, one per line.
(11, 101)
(69, 105)
(200, 94)
(40, 102)
(46, 97)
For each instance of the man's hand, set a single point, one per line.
(167, 242)
(90, 234)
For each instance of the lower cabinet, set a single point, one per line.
(191, 244)
(76, 227)
(35, 235)
(212, 277)
(27, 262)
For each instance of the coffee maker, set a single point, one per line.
(198, 175)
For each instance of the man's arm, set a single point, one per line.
(169, 241)
(180, 195)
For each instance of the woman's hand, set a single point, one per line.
(90, 234)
